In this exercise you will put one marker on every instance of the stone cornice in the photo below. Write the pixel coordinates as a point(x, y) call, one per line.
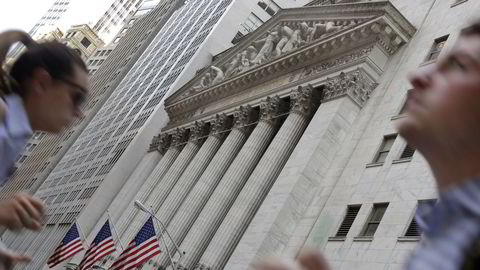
point(386, 27)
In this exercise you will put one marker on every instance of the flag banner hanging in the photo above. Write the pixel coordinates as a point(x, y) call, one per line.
point(142, 248)
point(101, 246)
point(70, 245)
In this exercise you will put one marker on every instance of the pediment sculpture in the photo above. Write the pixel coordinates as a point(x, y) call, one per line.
point(282, 39)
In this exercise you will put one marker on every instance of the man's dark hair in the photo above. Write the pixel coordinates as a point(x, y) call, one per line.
point(473, 29)
point(56, 58)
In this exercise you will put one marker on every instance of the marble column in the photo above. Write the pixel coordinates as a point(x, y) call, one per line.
point(166, 184)
point(196, 168)
point(231, 183)
point(261, 180)
point(175, 145)
point(198, 196)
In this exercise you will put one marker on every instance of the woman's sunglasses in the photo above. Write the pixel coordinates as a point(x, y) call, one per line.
point(80, 96)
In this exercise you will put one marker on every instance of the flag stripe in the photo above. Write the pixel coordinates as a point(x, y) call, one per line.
point(71, 244)
point(141, 258)
point(143, 247)
point(65, 257)
point(127, 258)
point(66, 251)
point(101, 246)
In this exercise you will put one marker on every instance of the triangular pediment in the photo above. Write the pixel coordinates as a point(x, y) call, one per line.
point(292, 36)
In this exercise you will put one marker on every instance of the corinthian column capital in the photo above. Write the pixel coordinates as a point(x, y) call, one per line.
point(220, 124)
point(179, 137)
point(271, 108)
point(198, 130)
point(304, 100)
point(242, 117)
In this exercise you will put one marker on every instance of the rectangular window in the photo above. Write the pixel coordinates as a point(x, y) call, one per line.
point(352, 211)
point(385, 148)
point(407, 152)
point(436, 49)
point(269, 6)
point(374, 219)
point(72, 195)
point(413, 229)
point(85, 42)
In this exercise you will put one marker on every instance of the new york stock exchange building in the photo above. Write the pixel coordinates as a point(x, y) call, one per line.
point(288, 141)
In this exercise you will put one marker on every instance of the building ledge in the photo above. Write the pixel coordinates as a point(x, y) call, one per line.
point(408, 239)
point(378, 164)
point(363, 239)
point(458, 3)
point(429, 62)
point(403, 160)
point(399, 116)
point(337, 239)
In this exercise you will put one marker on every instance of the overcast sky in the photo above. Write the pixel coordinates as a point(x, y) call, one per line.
point(23, 14)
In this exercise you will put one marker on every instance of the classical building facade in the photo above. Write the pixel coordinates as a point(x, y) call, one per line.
point(127, 95)
point(288, 141)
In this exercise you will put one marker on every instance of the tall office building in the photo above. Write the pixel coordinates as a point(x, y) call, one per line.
point(287, 141)
point(48, 23)
point(49, 149)
point(115, 18)
point(185, 44)
point(99, 57)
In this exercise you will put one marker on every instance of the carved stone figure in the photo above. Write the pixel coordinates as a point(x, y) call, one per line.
point(306, 33)
point(246, 60)
point(285, 33)
point(294, 41)
point(233, 66)
point(267, 48)
point(321, 29)
point(219, 75)
point(205, 82)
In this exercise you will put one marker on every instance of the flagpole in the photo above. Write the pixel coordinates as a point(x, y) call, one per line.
point(143, 208)
point(166, 247)
point(114, 230)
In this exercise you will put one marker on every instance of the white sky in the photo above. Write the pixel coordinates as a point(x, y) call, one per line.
point(23, 14)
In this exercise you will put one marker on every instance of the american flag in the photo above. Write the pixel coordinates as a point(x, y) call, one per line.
point(71, 245)
point(101, 246)
point(143, 247)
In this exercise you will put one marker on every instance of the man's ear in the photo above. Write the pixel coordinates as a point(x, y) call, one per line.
point(41, 80)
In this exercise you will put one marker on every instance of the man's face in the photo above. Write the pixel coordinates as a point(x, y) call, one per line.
point(61, 101)
point(444, 105)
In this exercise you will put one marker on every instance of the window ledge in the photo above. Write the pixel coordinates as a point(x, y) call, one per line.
point(337, 238)
point(403, 160)
point(428, 62)
point(378, 164)
point(363, 239)
point(408, 239)
point(458, 3)
point(399, 116)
